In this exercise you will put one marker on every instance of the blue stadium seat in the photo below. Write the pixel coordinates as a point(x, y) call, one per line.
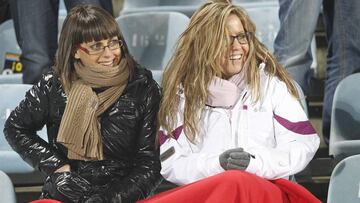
point(62, 9)
point(151, 36)
point(10, 50)
point(186, 7)
point(157, 75)
point(344, 181)
point(11, 79)
point(11, 95)
point(7, 192)
point(61, 20)
point(264, 13)
point(345, 119)
point(302, 97)
point(8, 43)
point(265, 17)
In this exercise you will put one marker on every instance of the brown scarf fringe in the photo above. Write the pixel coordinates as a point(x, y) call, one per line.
point(79, 128)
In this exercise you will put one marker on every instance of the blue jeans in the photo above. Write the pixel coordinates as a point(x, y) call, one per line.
point(298, 20)
point(36, 28)
point(342, 18)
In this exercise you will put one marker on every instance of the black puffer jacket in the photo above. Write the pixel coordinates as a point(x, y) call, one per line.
point(131, 169)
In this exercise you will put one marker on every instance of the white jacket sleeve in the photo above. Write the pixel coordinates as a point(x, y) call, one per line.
point(295, 139)
point(184, 162)
point(185, 167)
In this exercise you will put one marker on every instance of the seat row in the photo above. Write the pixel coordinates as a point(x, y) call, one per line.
point(344, 181)
point(151, 29)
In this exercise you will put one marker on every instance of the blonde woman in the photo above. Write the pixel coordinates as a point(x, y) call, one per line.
point(230, 116)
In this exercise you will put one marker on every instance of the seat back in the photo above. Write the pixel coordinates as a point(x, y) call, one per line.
point(264, 13)
point(157, 75)
point(186, 7)
point(7, 192)
point(11, 95)
point(302, 97)
point(151, 36)
point(11, 79)
point(135, 4)
point(62, 9)
point(344, 181)
point(8, 44)
point(345, 118)
point(265, 17)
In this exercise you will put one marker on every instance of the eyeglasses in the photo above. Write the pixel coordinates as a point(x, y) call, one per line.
point(242, 38)
point(99, 48)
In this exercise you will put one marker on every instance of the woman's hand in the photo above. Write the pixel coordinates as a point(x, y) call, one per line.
point(235, 158)
point(67, 187)
point(64, 168)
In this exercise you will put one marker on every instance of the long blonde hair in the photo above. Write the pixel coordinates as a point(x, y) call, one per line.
point(197, 59)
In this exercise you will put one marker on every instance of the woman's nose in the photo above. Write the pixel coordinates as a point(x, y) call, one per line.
point(107, 52)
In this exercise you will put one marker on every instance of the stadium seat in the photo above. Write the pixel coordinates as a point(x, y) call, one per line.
point(345, 119)
point(265, 16)
point(344, 181)
point(8, 43)
point(186, 7)
point(157, 75)
point(151, 36)
point(11, 79)
point(61, 20)
point(11, 95)
point(10, 50)
point(7, 192)
point(264, 13)
point(302, 97)
point(62, 9)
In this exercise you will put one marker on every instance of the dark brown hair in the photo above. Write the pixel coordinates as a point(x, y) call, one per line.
point(85, 23)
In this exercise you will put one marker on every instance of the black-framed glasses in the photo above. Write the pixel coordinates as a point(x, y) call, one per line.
point(99, 48)
point(242, 38)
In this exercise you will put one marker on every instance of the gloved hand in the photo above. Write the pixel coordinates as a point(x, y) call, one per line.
point(72, 185)
point(66, 187)
point(235, 158)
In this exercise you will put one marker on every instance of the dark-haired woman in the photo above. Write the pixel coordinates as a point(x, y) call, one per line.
point(100, 111)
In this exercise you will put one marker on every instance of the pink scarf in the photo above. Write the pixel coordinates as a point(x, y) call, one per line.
point(225, 93)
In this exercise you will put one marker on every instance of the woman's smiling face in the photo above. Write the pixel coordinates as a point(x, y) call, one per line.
point(104, 52)
point(239, 48)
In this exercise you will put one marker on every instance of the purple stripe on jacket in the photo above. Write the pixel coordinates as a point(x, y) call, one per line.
point(301, 127)
point(175, 133)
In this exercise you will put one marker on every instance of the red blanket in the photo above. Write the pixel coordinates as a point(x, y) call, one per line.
point(236, 186)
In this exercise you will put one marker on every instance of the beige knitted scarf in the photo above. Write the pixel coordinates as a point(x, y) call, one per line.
point(80, 128)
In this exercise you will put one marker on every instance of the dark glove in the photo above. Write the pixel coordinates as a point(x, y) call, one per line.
point(72, 186)
point(235, 158)
point(66, 186)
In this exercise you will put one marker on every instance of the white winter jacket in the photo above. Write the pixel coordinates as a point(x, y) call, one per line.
point(275, 131)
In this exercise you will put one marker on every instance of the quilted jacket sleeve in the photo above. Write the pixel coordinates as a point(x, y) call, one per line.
point(23, 123)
